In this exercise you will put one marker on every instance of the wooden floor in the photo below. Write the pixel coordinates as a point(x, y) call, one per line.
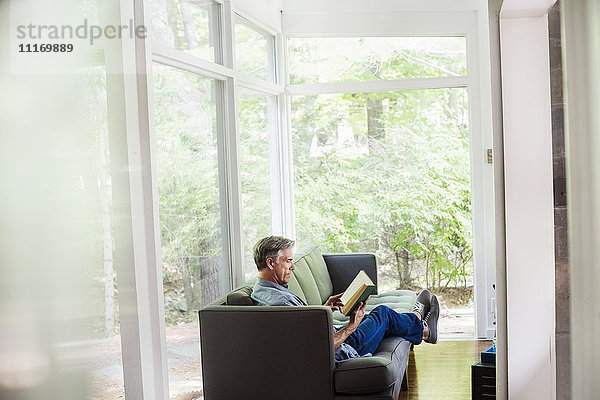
point(442, 371)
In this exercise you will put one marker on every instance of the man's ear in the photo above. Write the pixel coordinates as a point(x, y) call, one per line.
point(269, 262)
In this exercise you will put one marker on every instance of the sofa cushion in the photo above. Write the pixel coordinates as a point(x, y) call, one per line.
point(373, 374)
point(306, 279)
point(295, 287)
point(319, 270)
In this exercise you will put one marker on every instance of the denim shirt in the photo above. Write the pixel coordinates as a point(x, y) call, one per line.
point(267, 293)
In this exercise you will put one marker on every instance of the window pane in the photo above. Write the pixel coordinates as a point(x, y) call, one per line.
point(256, 124)
point(194, 272)
point(254, 50)
point(320, 60)
point(191, 26)
point(389, 173)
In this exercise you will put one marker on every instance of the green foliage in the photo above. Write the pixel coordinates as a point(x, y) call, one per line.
point(255, 167)
point(403, 193)
point(385, 172)
point(187, 165)
point(188, 185)
point(319, 60)
point(184, 25)
point(252, 49)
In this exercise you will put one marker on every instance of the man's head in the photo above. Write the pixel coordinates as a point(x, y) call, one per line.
point(274, 259)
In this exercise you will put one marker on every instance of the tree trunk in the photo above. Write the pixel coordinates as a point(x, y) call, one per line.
point(188, 25)
point(163, 21)
point(398, 269)
point(375, 127)
point(406, 278)
point(186, 279)
point(427, 271)
point(192, 270)
point(172, 12)
point(209, 277)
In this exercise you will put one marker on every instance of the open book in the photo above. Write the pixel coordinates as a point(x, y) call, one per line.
point(358, 291)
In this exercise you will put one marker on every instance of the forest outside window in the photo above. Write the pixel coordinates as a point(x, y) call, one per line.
point(387, 172)
point(256, 128)
point(326, 60)
point(191, 26)
point(192, 240)
point(254, 50)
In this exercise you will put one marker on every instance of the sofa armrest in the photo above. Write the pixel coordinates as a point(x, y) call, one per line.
point(344, 267)
point(252, 352)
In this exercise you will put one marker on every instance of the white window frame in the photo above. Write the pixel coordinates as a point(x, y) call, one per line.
point(270, 88)
point(137, 253)
point(133, 162)
point(354, 18)
point(231, 79)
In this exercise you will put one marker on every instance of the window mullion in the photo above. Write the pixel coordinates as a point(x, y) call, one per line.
point(178, 59)
point(135, 207)
point(378, 86)
point(228, 38)
point(284, 167)
point(230, 152)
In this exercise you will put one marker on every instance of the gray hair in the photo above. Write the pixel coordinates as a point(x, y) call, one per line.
point(269, 247)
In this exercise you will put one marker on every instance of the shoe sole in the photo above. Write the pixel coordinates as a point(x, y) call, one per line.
point(434, 304)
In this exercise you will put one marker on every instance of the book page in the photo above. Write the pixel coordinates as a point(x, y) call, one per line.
point(361, 279)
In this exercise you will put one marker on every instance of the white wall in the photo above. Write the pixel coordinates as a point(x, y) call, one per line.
point(529, 206)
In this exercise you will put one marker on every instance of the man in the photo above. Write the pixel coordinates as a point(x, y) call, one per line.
point(361, 336)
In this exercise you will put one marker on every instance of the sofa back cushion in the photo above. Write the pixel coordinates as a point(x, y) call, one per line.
point(310, 281)
point(241, 295)
point(312, 275)
point(295, 287)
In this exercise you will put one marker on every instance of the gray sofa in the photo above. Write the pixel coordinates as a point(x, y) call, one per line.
point(252, 352)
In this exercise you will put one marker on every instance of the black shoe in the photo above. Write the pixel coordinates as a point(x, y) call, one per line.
point(423, 303)
point(432, 319)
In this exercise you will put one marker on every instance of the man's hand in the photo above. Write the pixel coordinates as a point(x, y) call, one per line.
point(355, 319)
point(334, 302)
point(358, 314)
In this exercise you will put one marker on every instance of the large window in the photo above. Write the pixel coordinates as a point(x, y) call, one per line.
point(387, 172)
point(205, 251)
point(190, 212)
point(258, 138)
point(257, 151)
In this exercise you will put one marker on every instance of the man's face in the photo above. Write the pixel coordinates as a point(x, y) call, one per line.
point(283, 266)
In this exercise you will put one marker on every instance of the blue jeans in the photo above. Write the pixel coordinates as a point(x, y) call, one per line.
point(381, 323)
